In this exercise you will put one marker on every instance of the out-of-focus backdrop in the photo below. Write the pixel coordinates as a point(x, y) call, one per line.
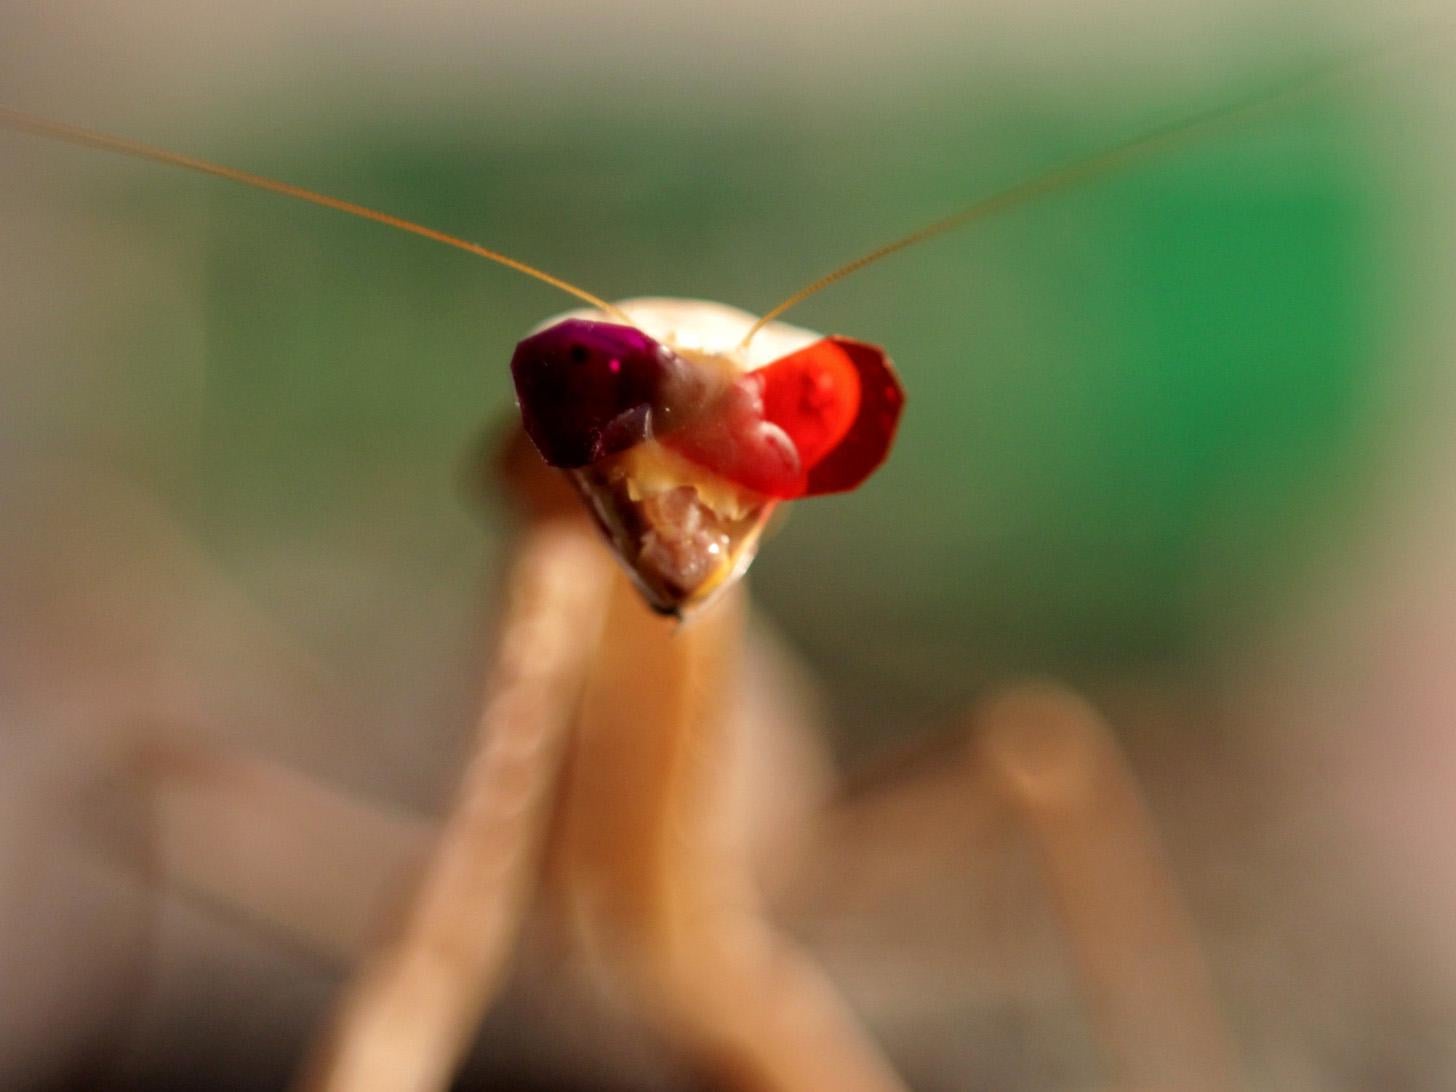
point(1181, 437)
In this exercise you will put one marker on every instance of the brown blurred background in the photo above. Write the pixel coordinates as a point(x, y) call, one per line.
point(1180, 438)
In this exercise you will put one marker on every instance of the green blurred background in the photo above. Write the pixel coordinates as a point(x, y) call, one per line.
point(1130, 405)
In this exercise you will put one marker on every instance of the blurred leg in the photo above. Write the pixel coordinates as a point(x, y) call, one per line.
point(1134, 948)
point(285, 853)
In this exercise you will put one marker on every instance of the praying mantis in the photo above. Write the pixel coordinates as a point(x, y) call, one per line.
point(571, 731)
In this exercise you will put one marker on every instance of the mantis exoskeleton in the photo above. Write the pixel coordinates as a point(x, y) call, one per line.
point(699, 999)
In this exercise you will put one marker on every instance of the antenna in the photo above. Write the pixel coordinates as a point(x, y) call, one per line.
point(70, 134)
point(1078, 171)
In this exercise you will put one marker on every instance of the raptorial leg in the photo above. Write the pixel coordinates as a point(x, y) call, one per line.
point(413, 1008)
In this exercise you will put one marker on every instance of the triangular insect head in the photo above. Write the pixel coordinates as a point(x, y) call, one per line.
point(683, 430)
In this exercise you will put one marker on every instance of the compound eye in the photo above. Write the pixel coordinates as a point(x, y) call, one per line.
point(589, 389)
point(839, 401)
